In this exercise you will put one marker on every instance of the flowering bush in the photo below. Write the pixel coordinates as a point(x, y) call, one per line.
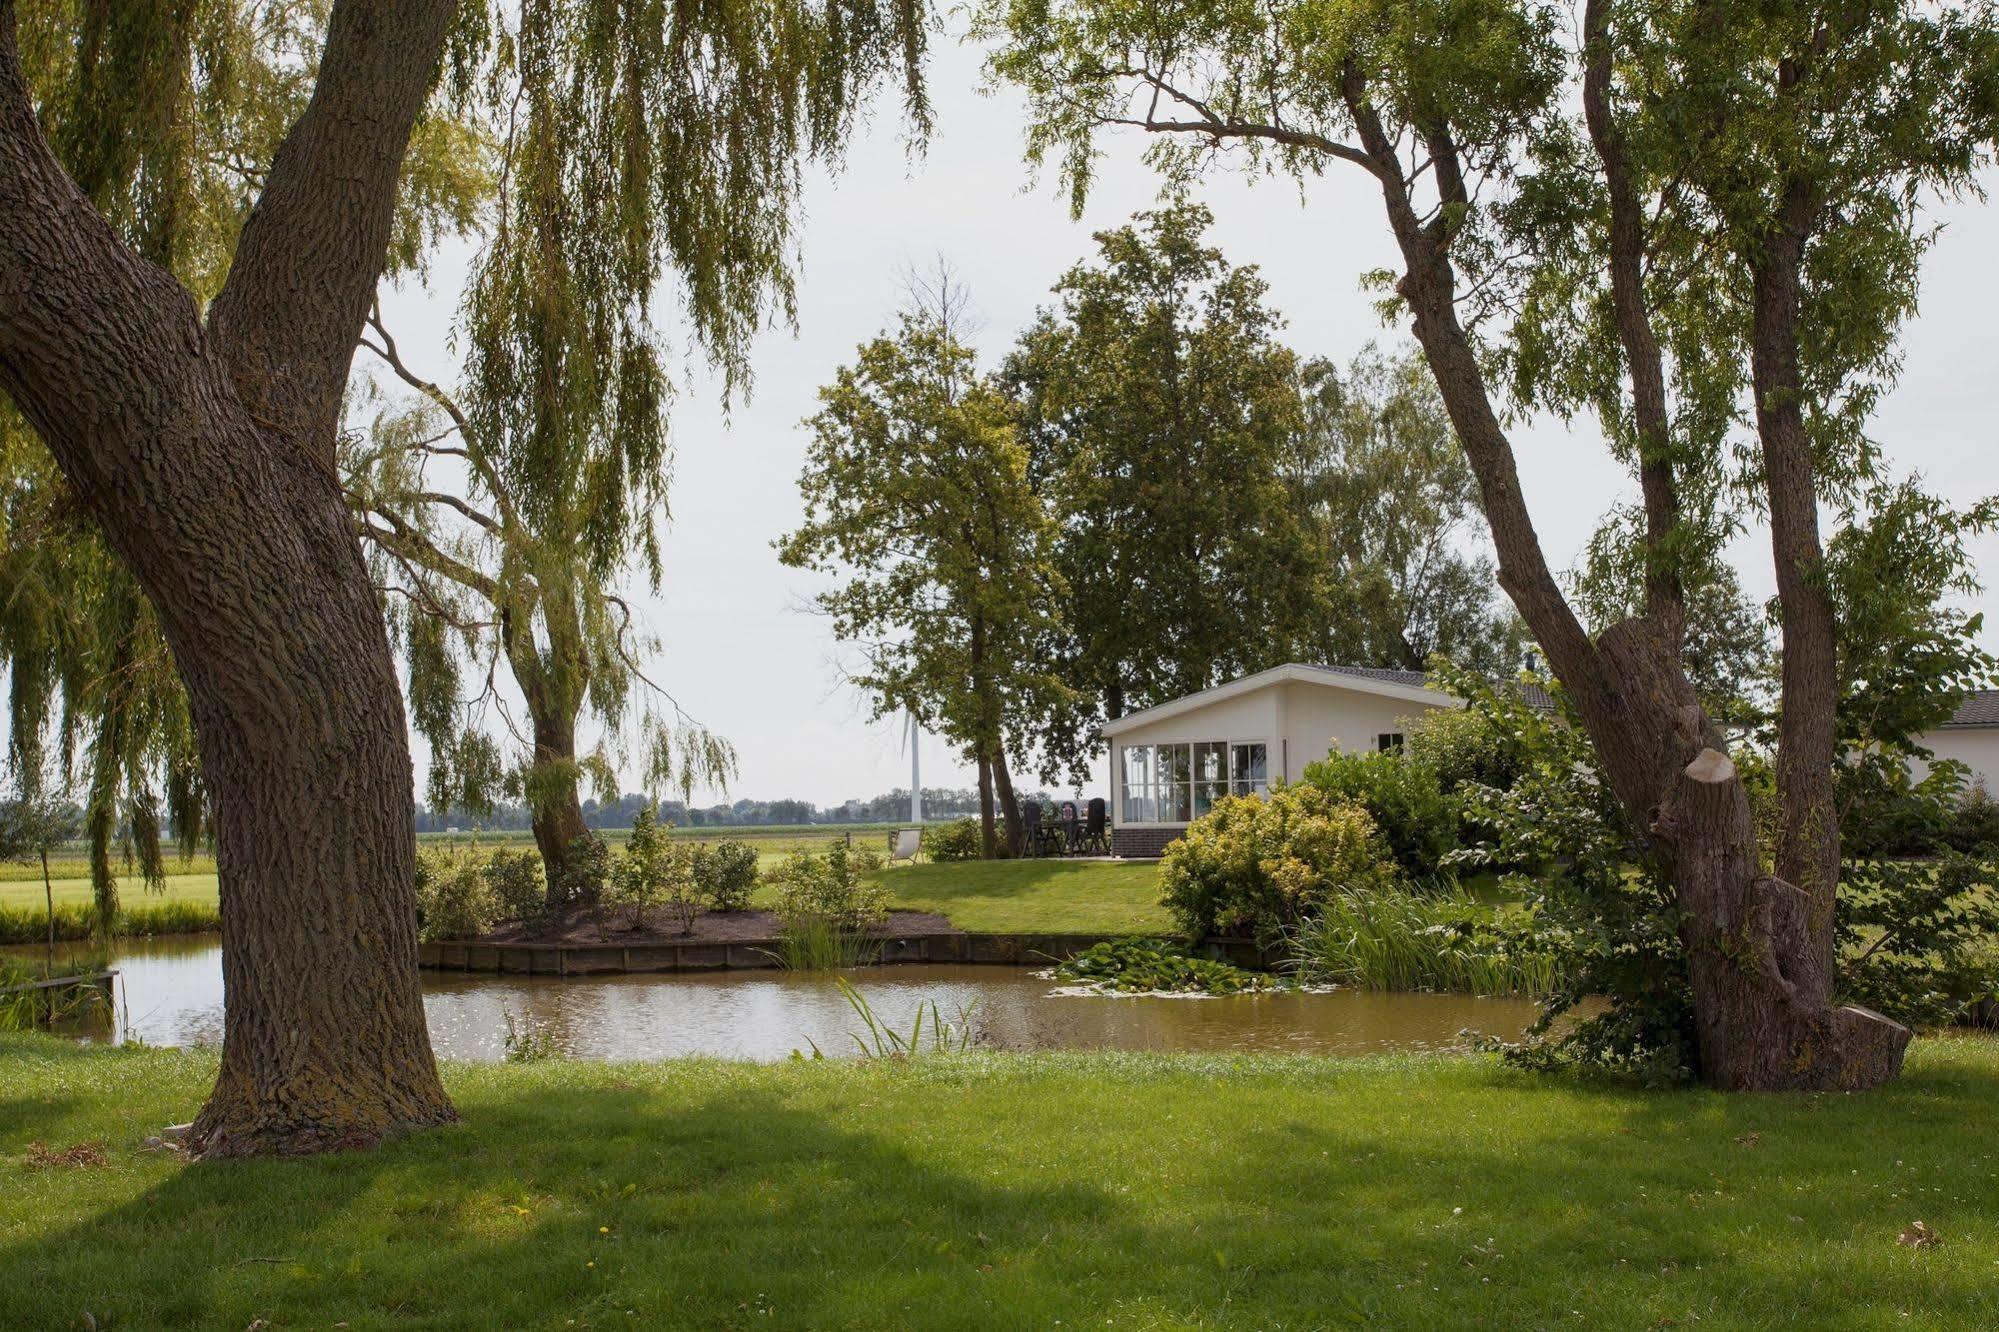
point(1259, 865)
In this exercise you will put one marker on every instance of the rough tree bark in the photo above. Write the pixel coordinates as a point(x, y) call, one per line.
point(1009, 805)
point(1808, 833)
point(206, 453)
point(1761, 996)
point(988, 842)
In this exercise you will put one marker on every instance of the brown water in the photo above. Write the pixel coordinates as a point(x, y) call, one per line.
point(170, 993)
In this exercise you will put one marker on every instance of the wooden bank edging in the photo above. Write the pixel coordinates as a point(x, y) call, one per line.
point(1013, 950)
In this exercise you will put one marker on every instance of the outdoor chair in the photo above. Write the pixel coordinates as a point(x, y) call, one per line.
point(1096, 829)
point(1030, 831)
point(904, 843)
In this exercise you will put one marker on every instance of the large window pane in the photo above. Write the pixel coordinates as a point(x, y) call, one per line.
point(1249, 770)
point(1175, 803)
point(1211, 759)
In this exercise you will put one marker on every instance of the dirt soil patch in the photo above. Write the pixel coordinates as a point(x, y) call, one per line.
point(613, 925)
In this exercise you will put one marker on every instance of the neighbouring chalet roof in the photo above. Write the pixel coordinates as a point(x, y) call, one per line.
point(1980, 708)
point(1407, 686)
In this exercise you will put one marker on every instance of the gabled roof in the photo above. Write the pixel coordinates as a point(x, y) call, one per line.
point(1980, 708)
point(1407, 686)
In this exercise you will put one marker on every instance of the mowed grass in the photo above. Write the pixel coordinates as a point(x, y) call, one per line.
point(1009, 1191)
point(1035, 896)
point(132, 889)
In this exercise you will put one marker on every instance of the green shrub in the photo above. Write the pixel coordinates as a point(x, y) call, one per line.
point(1433, 941)
point(1417, 820)
point(956, 840)
point(1156, 966)
point(1885, 812)
point(520, 892)
point(836, 885)
point(1916, 939)
point(454, 898)
point(1464, 746)
point(587, 872)
point(653, 872)
point(1974, 825)
point(1258, 865)
point(726, 874)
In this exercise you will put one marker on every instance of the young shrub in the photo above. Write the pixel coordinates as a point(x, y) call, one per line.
point(454, 899)
point(726, 875)
point(1974, 826)
point(652, 872)
point(588, 872)
point(519, 891)
point(836, 886)
point(1257, 866)
point(956, 840)
point(1417, 820)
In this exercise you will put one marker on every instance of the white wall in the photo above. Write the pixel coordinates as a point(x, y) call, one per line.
point(1299, 722)
point(1977, 747)
point(1321, 718)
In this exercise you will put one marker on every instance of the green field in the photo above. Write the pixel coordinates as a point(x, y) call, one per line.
point(1007, 896)
point(1007, 1191)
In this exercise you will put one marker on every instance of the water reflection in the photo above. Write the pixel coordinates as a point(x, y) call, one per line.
point(170, 993)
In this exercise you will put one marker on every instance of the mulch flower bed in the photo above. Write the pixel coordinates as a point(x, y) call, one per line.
point(613, 925)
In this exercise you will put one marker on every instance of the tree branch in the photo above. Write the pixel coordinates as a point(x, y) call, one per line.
point(313, 248)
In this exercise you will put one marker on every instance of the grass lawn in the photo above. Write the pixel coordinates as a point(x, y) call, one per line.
point(1019, 1191)
point(1035, 896)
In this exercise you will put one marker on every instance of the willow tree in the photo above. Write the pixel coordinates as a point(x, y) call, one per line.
point(167, 116)
point(1710, 214)
point(477, 568)
point(201, 438)
point(917, 496)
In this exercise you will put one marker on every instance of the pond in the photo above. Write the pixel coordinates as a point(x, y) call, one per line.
point(170, 993)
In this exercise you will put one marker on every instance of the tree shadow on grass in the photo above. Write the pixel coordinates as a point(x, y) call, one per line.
point(1004, 1192)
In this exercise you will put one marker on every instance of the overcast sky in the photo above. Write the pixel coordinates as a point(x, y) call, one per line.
point(744, 655)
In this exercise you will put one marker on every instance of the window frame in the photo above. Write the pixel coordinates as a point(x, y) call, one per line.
point(1175, 790)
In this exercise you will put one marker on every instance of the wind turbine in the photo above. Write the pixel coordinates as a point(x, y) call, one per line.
point(911, 733)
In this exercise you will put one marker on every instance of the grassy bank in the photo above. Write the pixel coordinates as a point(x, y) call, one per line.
point(1013, 1191)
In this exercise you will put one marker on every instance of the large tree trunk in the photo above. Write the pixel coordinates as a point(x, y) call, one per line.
point(1808, 835)
point(1009, 806)
point(557, 816)
point(206, 455)
point(1761, 997)
point(988, 842)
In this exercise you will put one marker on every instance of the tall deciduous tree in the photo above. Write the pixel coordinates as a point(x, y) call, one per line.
point(1773, 149)
point(1158, 406)
point(1394, 510)
point(203, 443)
point(916, 491)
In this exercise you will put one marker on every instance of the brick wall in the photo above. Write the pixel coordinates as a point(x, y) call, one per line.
point(1145, 842)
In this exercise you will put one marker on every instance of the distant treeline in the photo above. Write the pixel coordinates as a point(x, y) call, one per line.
point(891, 807)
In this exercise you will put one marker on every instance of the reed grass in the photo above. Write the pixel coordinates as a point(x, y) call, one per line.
point(817, 943)
point(1445, 940)
point(78, 920)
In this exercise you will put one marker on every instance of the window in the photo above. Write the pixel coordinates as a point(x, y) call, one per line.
point(1211, 774)
point(1389, 742)
point(1179, 783)
point(1249, 770)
